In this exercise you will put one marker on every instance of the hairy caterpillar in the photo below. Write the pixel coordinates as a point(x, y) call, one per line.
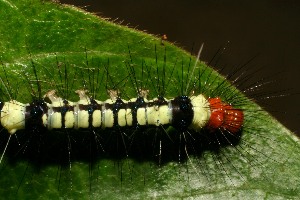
point(181, 112)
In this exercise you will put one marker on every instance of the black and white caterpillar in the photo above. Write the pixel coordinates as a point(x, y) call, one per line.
point(181, 112)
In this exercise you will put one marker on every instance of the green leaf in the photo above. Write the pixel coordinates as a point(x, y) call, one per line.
point(52, 38)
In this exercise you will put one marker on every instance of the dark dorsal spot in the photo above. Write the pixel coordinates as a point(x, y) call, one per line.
point(34, 113)
point(160, 101)
point(92, 106)
point(139, 103)
point(119, 104)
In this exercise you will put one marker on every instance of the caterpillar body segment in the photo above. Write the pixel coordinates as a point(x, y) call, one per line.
point(182, 112)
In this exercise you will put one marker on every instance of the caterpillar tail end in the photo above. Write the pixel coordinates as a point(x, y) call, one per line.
point(12, 116)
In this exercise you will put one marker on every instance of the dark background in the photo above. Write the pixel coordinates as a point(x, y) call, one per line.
point(269, 30)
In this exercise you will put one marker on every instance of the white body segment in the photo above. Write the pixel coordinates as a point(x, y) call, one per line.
point(142, 119)
point(107, 118)
point(13, 113)
point(96, 122)
point(157, 115)
point(201, 112)
point(54, 119)
point(13, 116)
point(128, 116)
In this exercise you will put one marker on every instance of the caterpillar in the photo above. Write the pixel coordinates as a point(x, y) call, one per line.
point(181, 112)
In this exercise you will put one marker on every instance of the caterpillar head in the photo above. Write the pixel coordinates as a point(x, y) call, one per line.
point(224, 116)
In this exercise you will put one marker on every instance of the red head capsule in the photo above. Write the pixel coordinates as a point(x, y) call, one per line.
point(224, 116)
point(217, 114)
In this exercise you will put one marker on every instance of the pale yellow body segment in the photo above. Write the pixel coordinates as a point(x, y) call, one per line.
point(13, 116)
